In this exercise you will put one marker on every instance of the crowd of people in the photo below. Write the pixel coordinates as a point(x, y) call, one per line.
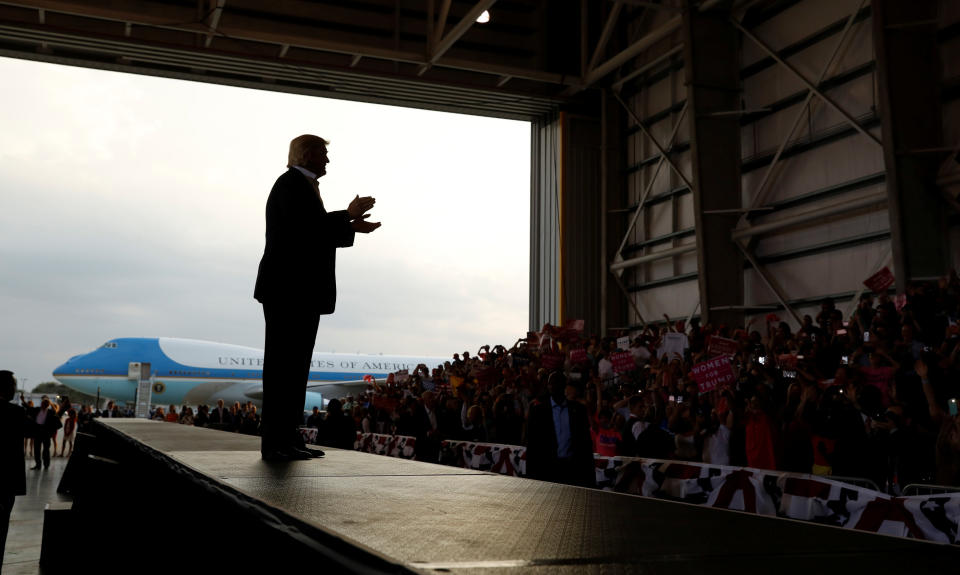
point(871, 396)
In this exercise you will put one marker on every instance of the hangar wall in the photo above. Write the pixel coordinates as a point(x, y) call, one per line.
point(813, 173)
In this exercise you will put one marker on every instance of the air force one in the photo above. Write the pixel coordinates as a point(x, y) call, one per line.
point(193, 372)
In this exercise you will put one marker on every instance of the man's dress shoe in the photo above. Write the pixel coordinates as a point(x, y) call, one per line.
point(285, 454)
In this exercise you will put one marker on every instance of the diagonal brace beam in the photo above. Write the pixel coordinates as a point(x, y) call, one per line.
point(826, 99)
point(663, 153)
point(649, 186)
point(770, 281)
point(763, 190)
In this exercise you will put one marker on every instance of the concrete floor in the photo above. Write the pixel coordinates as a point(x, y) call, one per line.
point(22, 553)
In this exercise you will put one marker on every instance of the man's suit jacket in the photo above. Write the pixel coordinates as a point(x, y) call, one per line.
point(302, 238)
point(13, 420)
point(542, 441)
point(218, 415)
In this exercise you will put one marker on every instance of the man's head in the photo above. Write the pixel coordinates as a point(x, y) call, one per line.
point(220, 403)
point(557, 384)
point(310, 152)
point(8, 385)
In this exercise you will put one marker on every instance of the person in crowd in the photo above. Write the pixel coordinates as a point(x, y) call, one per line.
point(220, 415)
point(158, 415)
point(202, 418)
point(13, 428)
point(315, 418)
point(186, 415)
point(559, 447)
point(172, 416)
point(45, 425)
point(69, 432)
point(338, 428)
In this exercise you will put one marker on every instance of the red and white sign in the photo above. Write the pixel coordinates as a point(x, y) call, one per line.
point(622, 361)
point(578, 356)
point(880, 281)
point(722, 346)
point(713, 373)
point(551, 360)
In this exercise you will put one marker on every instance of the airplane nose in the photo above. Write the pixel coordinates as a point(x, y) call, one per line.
point(61, 369)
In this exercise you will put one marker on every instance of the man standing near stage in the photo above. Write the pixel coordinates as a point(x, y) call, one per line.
point(12, 429)
point(296, 284)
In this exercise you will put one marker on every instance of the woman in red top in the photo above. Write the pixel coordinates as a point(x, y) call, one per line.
point(606, 438)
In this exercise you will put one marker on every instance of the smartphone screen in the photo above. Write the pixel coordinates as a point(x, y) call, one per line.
point(952, 405)
point(866, 336)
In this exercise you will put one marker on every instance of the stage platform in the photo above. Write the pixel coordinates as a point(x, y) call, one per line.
point(156, 491)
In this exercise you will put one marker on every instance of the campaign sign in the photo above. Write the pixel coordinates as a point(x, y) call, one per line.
point(722, 346)
point(551, 360)
point(623, 342)
point(578, 356)
point(880, 281)
point(622, 361)
point(713, 373)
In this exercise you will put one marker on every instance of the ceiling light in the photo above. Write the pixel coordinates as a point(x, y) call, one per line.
point(483, 18)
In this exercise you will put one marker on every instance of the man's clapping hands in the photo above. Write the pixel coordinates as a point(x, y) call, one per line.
point(357, 210)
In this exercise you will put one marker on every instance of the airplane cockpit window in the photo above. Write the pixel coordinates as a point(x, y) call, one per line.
point(110, 345)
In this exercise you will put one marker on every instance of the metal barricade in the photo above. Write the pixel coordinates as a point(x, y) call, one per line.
point(858, 481)
point(926, 489)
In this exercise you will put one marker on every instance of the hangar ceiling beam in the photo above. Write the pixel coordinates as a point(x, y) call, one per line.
point(443, 45)
point(712, 67)
point(908, 66)
point(213, 20)
point(602, 70)
point(242, 27)
point(608, 29)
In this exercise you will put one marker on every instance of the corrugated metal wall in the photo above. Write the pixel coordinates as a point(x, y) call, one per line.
point(825, 162)
point(545, 222)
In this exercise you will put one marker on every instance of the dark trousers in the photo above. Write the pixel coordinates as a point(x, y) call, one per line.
point(6, 506)
point(41, 443)
point(291, 331)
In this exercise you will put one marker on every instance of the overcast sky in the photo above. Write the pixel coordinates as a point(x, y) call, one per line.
point(133, 206)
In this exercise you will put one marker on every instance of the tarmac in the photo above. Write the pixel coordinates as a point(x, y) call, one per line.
point(22, 553)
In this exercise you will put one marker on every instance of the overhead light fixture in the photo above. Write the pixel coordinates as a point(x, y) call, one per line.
point(483, 18)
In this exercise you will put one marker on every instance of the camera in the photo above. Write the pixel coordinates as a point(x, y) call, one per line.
point(952, 405)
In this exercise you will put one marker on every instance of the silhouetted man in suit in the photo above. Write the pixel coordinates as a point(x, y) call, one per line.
point(559, 446)
point(13, 479)
point(296, 284)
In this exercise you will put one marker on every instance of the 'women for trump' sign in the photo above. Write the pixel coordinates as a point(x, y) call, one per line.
point(713, 373)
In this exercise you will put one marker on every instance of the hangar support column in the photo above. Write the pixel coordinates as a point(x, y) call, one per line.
point(711, 55)
point(908, 65)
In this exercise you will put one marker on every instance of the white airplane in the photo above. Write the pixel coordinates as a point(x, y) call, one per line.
point(191, 372)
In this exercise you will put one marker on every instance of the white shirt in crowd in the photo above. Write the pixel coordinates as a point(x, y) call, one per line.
point(716, 447)
point(673, 342)
point(605, 368)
